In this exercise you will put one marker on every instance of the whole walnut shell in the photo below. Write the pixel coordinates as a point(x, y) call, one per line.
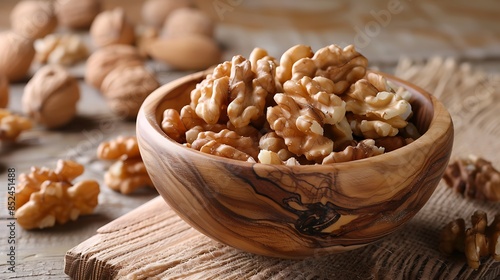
point(126, 87)
point(154, 12)
point(50, 97)
point(16, 55)
point(33, 19)
point(104, 60)
point(4, 91)
point(112, 27)
point(190, 52)
point(186, 21)
point(77, 14)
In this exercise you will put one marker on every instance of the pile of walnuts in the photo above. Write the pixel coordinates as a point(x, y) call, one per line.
point(309, 108)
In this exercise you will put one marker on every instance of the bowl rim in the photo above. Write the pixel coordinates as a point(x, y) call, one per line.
point(440, 119)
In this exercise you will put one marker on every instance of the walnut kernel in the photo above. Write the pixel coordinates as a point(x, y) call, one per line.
point(11, 126)
point(65, 49)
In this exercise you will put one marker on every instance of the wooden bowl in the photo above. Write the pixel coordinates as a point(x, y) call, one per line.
point(295, 211)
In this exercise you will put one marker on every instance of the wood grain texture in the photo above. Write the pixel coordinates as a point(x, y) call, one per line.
point(299, 211)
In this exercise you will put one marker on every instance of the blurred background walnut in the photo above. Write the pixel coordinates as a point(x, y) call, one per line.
point(33, 19)
point(16, 55)
point(155, 12)
point(11, 126)
point(479, 241)
point(105, 59)
point(128, 173)
point(186, 21)
point(126, 87)
point(45, 197)
point(77, 14)
point(112, 27)
point(50, 97)
point(4, 91)
point(65, 49)
point(474, 177)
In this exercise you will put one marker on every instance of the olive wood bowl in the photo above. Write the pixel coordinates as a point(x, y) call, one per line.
point(295, 211)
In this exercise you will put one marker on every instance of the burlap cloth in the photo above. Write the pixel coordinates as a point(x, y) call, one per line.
point(472, 98)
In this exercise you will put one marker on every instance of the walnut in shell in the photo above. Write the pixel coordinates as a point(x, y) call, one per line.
point(33, 19)
point(112, 27)
point(16, 55)
point(125, 88)
point(155, 12)
point(186, 21)
point(104, 60)
point(4, 91)
point(50, 97)
point(77, 14)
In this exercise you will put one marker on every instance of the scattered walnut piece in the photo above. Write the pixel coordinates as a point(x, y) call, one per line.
point(11, 126)
point(474, 177)
point(112, 27)
point(478, 241)
point(4, 91)
point(51, 96)
point(33, 19)
point(128, 173)
point(45, 197)
point(65, 49)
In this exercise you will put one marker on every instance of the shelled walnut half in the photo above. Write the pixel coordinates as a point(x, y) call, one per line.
point(128, 173)
point(474, 177)
point(477, 242)
point(45, 197)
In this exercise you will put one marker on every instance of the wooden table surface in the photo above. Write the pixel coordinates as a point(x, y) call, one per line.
point(40, 253)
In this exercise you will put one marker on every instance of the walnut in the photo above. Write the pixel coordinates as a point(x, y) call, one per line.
point(317, 92)
point(155, 12)
point(270, 157)
point(112, 27)
point(45, 197)
point(65, 49)
point(273, 143)
point(209, 99)
point(301, 128)
point(223, 150)
point(226, 138)
point(186, 20)
point(50, 97)
point(248, 90)
point(341, 132)
point(476, 242)
point(119, 147)
point(128, 173)
point(77, 14)
point(474, 177)
point(33, 19)
point(172, 125)
point(289, 58)
point(105, 59)
point(364, 149)
point(126, 87)
point(11, 126)
point(16, 55)
point(4, 91)
point(145, 36)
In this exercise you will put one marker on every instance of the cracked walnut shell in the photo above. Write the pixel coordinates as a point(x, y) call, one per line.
point(33, 19)
point(51, 96)
point(112, 27)
point(46, 197)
